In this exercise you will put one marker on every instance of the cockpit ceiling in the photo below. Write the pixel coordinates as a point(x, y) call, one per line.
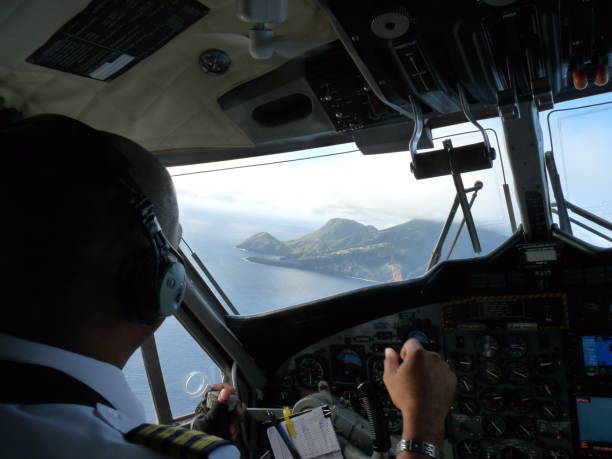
point(166, 101)
point(332, 86)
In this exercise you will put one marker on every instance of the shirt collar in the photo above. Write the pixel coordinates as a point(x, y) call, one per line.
point(106, 379)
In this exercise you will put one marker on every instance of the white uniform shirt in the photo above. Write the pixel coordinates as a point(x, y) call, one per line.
point(74, 431)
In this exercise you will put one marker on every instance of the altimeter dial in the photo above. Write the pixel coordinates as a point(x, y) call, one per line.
point(309, 372)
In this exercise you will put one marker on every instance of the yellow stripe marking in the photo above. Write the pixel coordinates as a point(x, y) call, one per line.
point(200, 445)
point(148, 429)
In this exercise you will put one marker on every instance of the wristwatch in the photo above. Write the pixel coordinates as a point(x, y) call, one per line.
point(419, 447)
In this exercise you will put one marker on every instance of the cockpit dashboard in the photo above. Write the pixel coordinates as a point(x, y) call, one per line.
point(530, 345)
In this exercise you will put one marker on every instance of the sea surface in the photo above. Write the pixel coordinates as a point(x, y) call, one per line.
point(253, 288)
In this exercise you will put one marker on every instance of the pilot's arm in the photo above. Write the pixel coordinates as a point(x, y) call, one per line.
point(421, 386)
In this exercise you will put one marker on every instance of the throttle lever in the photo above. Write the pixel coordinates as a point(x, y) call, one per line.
point(372, 405)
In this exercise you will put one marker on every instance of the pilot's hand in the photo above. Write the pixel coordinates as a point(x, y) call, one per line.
point(422, 388)
point(218, 420)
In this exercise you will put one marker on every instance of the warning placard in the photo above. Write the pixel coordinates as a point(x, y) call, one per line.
point(110, 36)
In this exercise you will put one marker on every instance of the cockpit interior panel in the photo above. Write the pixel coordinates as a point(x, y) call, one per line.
point(529, 341)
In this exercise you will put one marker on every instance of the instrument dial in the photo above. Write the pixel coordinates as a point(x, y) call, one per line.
point(548, 388)
point(469, 449)
point(463, 363)
point(522, 403)
point(550, 411)
point(555, 453)
point(492, 400)
point(525, 429)
point(494, 425)
point(466, 385)
point(516, 346)
point(517, 372)
point(309, 372)
point(491, 373)
point(488, 347)
point(546, 364)
point(468, 406)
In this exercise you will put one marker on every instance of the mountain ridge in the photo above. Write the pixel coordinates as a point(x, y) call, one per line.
point(348, 248)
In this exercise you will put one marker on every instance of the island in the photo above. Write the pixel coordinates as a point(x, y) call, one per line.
point(348, 248)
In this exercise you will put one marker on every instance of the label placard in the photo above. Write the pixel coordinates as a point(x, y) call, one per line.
point(110, 36)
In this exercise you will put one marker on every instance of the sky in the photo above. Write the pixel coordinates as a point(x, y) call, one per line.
point(380, 189)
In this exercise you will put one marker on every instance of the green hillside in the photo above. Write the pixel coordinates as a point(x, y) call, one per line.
point(349, 248)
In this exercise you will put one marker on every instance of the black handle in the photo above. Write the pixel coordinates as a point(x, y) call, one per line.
point(381, 443)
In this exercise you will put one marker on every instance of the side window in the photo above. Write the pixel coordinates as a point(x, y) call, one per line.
point(186, 368)
point(137, 379)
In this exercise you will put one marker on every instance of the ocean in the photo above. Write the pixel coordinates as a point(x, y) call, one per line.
point(252, 288)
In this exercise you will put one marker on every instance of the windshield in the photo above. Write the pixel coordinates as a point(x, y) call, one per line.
point(581, 139)
point(286, 229)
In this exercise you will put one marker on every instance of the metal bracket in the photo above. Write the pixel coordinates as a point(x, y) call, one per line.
point(437, 252)
point(507, 104)
point(465, 207)
point(555, 181)
point(417, 129)
point(465, 108)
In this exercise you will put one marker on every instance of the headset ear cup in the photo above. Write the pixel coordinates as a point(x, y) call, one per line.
point(138, 288)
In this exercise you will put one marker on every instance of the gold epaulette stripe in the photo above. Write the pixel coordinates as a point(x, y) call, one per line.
point(176, 441)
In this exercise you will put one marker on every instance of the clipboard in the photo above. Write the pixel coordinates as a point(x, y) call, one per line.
point(314, 435)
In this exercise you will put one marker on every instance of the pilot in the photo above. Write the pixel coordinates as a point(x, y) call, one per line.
point(82, 261)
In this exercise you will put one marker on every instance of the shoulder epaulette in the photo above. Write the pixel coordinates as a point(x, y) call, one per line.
point(175, 441)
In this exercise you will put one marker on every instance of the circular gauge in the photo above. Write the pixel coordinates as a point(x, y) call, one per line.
point(492, 400)
point(546, 364)
point(491, 373)
point(522, 403)
point(525, 429)
point(517, 372)
point(463, 363)
point(351, 365)
point(215, 61)
point(555, 453)
point(516, 346)
point(469, 449)
point(511, 452)
point(548, 388)
point(309, 372)
point(468, 406)
point(494, 425)
point(377, 370)
point(466, 385)
point(488, 347)
point(393, 417)
point(550, 411)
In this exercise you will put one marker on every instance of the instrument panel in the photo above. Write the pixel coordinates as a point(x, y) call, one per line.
point(529, 385)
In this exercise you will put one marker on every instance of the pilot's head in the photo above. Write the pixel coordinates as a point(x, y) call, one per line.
point(76, 253)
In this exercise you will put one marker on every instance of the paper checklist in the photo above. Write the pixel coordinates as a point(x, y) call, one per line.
point(314, 437)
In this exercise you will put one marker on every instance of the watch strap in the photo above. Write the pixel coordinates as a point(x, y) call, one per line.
point(419, 447)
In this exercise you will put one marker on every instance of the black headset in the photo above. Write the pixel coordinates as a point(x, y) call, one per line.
point(151, 283)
